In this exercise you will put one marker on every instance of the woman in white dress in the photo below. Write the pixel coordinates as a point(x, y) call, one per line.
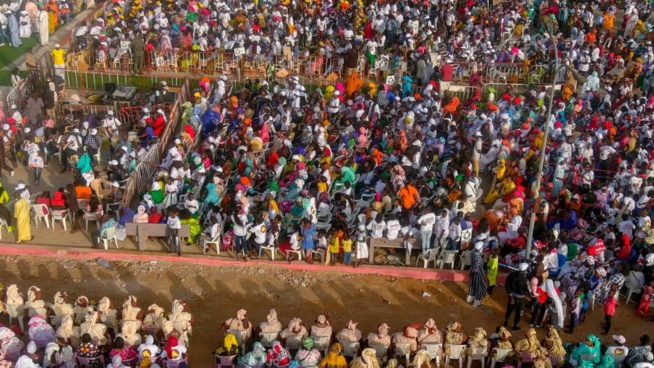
point(25, 25)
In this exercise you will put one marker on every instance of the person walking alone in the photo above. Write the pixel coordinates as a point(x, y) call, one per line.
point(478, 286)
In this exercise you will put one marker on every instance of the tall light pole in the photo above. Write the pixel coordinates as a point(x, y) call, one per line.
point(541, 161)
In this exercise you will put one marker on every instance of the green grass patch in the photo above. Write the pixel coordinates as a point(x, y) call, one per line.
point(8, 54)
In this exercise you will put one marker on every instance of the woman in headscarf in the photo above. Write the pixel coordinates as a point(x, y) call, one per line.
point(68, 331)
point(556, 319)
point(590, 347)
point(15, 304)
point(182, 320)
point(381, 338)
point(478, 287)
point(239, 323)
point(307, 356)
point(321, 327)
point(154, 320)
point(141, 216)
point(429, 333)
point(256, 357)
point(408, 336)
point(35, 305)
point(368, 359)
point(107, 314)
point(61, 308)
point(97, 331)
point(529, 344)
point(10, 345)
point(22, 216)
point(277, 355)
point(124, 351)
point(454, 334)
point(334, 358)
point(350, 333)
point(295, 329)
point(554, 346)
point(148, 352)
point(230, 346)
point(504, 340)
point(130, 311)
point(40, 332)
point(87, 349)
point(271, 325)
point(30, 358)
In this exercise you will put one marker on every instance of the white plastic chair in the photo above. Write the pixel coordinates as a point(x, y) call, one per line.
point(498, 356)
point(321, 343)
point(240, 338)
point(429, 256)
point(59, 215)
point(465, 259)
point(350, 349)
point(448, 256)
point(381, 351)
point(41, 213)
point(619, 355)
point(90, 216)
point(403, 349)
point(216, 241)
point(631, 292)
point(434, 351)
point(4, 224)
point(272, 248)
point(298, 252)
point(109, 236)
point(456, 352)
point(267, 339)
point(478, 354)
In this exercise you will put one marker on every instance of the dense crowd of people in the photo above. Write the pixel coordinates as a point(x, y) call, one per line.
point(89, 334)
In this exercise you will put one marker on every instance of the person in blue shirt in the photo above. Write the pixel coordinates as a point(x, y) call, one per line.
point(308, 229)
point(107, 223)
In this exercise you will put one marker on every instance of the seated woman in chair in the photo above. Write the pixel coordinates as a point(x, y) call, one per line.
point(271, 325)
point(429, 333)
point(322, 327)
point(408, 336)
point(308, 356)
point(87, 349)
point(381, 338)
point(239, 323)
point(294, 331)
point(95, 329)
point(278, 356)
point(349, 334)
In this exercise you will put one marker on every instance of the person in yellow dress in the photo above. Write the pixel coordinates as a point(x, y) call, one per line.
point(22, 216)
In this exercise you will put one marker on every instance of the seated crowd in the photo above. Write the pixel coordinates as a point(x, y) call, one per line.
point(91, 335)
point(321, 345)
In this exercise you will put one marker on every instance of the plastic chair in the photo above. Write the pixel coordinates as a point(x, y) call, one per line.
point(4, 224)
point(350, 349)
point(525, 358)
point(433, 350)
point(90, 216)
point(403, 349)
point(215, 241)
point(86, 362)
point(499, 355)
point(448, 256)
point(240, 338)
point(60, 215)
point(108, 236)
point(619, 355)
point(465, 259)
point(225, 361)
point(381, 351)
point(456, 352)
point(268, 338)
point(632, 292)
point(429, 256)
point(41, 213)
point(478, 354)
point(298, 252)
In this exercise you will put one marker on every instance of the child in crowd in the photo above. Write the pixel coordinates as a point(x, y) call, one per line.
point(347, 249)
point(173, 224)
point(361, 249)
point(609, 308)
point(334, 248)
point(574, 308)
point(645, 300)
point(492, 268)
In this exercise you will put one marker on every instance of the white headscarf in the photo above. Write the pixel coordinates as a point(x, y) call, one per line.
point(551, 292)
point(25, 195)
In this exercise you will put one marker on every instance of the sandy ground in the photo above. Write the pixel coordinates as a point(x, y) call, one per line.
point(215, 293)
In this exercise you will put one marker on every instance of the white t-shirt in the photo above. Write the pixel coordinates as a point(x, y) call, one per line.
point(295, 240)
point(427, 221)
point(259, 232)
point(393, 227)
point(376, 229)
point(238, 229)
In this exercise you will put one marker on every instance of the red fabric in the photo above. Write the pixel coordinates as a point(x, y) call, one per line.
point(170, 344)
point(58, 199)
point(611, 304)
point(158, 126)
point(625, 250)
point(542, 295)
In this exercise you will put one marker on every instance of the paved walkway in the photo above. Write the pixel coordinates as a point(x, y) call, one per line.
point(63, 252)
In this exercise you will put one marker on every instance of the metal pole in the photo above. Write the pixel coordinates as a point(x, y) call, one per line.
point(541, 161)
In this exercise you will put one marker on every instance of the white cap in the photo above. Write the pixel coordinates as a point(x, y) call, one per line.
point(146, 110)
point(479, 246)
point(113, 162)
point(94, 131)
point(115, 184)
point(13, 106)
point(56, 45)
point(523, 266)
point(160, 111)
point(124, 148)
point(223, 77)
point(164, 84)
point(20, 186)
point(110, 112)
point(178, 141)
point(5, 127)
point(76, 130)
point(27, 130)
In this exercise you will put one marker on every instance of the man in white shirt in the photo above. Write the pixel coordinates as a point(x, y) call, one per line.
point(442, 229)
point(454, 242)
point(426, 222)
point(393, 228)
point(377, 227)
point(259, 232)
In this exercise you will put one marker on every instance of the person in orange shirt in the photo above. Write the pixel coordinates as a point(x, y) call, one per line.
point(83, 192)
point(408, 196)
point(353, 84)
point(591, 37)
point(609, 21)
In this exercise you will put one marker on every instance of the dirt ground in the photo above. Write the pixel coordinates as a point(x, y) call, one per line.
point(215, 293)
